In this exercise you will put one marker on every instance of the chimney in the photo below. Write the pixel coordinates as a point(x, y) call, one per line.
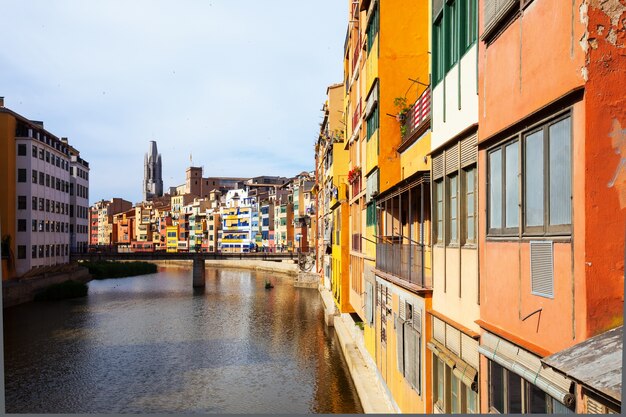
point(64, 140)
point(1, 101)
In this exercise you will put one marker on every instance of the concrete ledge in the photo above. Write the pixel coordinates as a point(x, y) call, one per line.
point(373, 397)
point(24, 290)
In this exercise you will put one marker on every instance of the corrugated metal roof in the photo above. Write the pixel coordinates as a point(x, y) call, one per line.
point(595, 363)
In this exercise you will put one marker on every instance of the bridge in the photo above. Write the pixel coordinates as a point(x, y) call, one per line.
point(304, 260)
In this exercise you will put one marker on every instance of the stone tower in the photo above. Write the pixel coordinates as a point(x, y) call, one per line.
point(152, 174)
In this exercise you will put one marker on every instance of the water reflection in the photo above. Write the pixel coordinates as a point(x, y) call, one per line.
point(150, 344)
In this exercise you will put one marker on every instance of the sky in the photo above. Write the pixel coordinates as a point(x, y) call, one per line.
point(234, 86)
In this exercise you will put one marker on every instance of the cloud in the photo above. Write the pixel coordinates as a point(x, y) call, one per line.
point(239, 85)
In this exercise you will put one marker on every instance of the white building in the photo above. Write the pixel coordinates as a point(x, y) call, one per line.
point(79, 201)
point(43, 197)
point(239, 222)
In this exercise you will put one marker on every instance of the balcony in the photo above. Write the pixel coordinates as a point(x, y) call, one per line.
point(404, 261)
point(417, 116)
point(356, 116)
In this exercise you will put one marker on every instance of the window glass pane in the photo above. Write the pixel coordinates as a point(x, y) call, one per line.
point(560, 173)
point(439, 197)
point(558, 408)
point(533, 179)
point(452, 209)
point(470, 206)
point(496, 387)
point(454, 395)
point(511, 184)
point(439, 375)
point(514, 389)
point(471, 400)
point(536, 399)
point(495, 189)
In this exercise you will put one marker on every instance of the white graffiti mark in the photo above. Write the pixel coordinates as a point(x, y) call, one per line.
point(618, 140)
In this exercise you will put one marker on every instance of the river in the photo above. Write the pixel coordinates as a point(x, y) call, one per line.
point(152, 344)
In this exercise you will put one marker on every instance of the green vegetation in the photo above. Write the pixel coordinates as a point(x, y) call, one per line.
point(110, 269)
point(67, 289)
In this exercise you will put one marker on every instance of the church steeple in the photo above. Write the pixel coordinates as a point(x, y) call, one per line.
point(152, 174)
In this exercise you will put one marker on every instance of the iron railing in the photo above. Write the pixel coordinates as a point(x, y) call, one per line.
point(403, 261)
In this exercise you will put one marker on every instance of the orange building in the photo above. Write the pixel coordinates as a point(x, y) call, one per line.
point(552, 193)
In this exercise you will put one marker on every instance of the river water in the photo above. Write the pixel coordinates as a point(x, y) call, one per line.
point(151, 344)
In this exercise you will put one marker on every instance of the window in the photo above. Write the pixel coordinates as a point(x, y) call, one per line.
point(372, 123)
point(21, 225)
point(453, 217)
point(21, 202)
point(47, 156)
point(439, 211)
point(34, 203)
point(372, 30)
point(41, 178)
point(408, 343)
point(509, 393)
point(21, 175)
point(455, 30)
point(41, 206)
point(21, 149)
point(41, 153)
point(470, 204)
point(33, 252)
point(497, 13)
point(34, 151)
point(47, 180)
point(450, 394)
point(503, 189)
point(21, 252)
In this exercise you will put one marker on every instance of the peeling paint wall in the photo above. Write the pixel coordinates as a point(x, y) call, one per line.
point(605, 153)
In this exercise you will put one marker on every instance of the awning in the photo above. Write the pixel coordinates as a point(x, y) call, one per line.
point(528, 366)
point(461, 369)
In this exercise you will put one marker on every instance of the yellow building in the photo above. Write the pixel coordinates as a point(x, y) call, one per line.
point(385, 76)
point(172, 238)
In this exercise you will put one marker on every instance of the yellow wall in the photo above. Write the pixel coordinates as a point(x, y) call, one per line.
point(172, 242)
point(8, 174)
point(412, 159)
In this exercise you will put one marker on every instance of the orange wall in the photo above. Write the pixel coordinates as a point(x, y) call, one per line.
point(605, 187)
point(403, 55)
point(8, 173)
point(537, 59)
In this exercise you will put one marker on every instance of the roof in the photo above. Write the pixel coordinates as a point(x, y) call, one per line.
point(595, 363)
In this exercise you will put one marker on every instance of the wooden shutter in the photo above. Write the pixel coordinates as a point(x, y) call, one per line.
point(400, 345)
point(402, 311)
point(438, 166)
point(439, 331)
point(452, 159)
point(417, 320)
point(469, 350)
point(594, 407)
point(453, 340)
point(495, 10)
point(541, 269)
point(410, 354)
point(469, 151)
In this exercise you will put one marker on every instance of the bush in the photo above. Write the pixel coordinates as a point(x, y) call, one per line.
point(109, 269)
point(67, 289)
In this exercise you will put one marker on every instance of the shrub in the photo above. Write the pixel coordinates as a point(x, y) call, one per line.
point(63, 290)
point(109, 269)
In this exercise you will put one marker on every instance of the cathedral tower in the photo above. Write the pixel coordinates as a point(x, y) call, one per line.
point(152, 174)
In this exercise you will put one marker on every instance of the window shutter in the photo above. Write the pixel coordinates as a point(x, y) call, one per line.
point(402, 309)
point(495, 10)
point(439, 331)
point(452, 159)
point(453, 340)
point(438, 167)
point(594, 407)
point(541, 269)
point(400, 344)
point(368, 303)
point(469, 350)
point(469, 151)
point(410, 354)
point(417, 320)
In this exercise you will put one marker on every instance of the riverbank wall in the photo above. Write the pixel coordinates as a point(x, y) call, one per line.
point(23, 290)
point(371, 388)
point(285, 267)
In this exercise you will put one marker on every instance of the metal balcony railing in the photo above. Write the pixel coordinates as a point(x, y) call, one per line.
point(417, 115)
point(403, 261)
